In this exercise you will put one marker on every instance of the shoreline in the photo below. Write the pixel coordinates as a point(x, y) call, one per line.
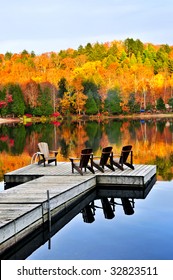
point(9, 120)
point(134, 116)
point(144, 116)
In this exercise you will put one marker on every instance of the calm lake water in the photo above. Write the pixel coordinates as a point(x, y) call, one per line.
point(145, 234)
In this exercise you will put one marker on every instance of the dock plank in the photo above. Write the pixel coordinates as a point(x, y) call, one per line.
point(36, 190)
point(26, 204)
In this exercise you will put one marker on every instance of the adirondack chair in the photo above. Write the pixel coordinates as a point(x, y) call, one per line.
point(125, 158)
point(106, 159)
point(45, 155)
point(83, 162)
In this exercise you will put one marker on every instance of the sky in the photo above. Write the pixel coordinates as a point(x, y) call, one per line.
point(53, 25)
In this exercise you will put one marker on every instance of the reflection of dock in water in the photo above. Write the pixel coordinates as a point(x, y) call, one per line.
point(49, 197)
point(108, 197)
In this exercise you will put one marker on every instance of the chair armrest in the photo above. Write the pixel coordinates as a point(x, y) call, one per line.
point(116, 155)
point(41, 158)
point(72, 159)
point(40, 154)
point(54, 152)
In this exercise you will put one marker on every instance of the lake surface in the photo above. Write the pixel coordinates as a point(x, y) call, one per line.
point(152, 141)
point(145, 234)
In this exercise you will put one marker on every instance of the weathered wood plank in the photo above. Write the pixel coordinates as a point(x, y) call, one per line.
point(36, 191)
point(26, 204)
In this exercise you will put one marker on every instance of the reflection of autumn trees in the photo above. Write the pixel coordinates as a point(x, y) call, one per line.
point(104, 141)
point(151, 140)
point(151, 146)
point(164, 166)
point(72, 139)
point(10, 162)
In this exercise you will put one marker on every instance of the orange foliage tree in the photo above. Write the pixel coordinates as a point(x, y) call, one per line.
point(130, 66)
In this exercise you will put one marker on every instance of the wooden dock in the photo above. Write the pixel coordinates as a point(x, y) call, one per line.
point(41, 192)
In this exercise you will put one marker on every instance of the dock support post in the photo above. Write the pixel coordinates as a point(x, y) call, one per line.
point(49, 218)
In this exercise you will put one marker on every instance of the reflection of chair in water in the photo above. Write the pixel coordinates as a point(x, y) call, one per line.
point(45, 154)
point(125, 158)
point(107, 209)
point(127, 203)
point(105, 159)
point(82, 162)
point(88, 214)
point(127, 206)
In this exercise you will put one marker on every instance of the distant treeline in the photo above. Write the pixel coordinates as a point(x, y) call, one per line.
point(111, 78)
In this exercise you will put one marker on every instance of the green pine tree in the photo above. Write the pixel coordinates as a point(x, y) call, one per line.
point(91, 107)
point(17, 107)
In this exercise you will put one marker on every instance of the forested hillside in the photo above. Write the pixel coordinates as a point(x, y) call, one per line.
point(110, 78)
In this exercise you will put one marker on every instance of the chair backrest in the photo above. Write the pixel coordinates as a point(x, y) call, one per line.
point(106, 152)
point(125, 152)
point(44, 149)
point(85, 157)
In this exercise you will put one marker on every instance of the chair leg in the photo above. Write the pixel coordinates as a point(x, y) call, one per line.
point(78, 169)
point(129, 165)
point(120, 166)
point(91, 169)
point(72, 165)
point(98, 166)
point(42, 161)
point(52, 160)
point(110, 167)
point(72, 168)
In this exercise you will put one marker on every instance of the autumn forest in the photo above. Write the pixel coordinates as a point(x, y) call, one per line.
point(118, 77)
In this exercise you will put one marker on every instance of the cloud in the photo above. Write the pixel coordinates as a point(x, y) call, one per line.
point(56, 24)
